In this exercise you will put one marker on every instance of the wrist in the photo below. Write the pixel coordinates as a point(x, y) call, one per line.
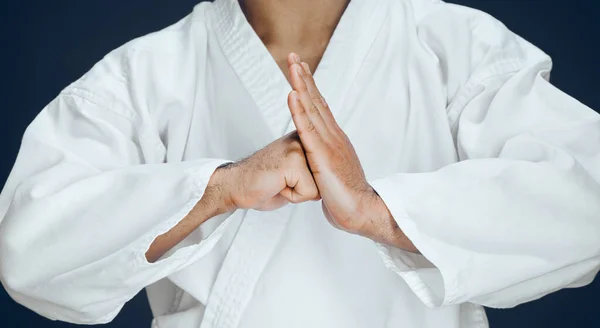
point(219, 190)
point(375, 216)
point(383, 227)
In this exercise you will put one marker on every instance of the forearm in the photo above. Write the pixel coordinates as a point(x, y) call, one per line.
point(214, 202)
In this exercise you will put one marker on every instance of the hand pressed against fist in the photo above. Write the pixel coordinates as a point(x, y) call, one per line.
point(272, 177)
point(349, 201)
point(331, 157)
point(315, 162)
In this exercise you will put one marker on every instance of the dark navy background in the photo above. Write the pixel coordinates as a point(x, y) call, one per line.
point(48, 44)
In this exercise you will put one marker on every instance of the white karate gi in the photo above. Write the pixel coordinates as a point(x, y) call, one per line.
point(492, 172)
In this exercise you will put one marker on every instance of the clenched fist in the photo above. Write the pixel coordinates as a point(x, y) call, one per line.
point(269, 179)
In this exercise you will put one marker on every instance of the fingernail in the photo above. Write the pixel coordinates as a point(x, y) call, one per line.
point(296, 59)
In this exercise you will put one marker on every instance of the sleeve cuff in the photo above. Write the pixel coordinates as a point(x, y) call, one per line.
point(198, 177)
point(419, 271)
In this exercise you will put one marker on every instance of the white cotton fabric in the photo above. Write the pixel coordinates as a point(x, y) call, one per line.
point(491, 171)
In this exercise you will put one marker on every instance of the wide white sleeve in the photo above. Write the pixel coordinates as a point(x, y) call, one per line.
point(518, 216)
point(84, 202)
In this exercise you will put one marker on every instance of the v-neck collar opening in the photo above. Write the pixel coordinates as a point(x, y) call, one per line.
point(261, 75)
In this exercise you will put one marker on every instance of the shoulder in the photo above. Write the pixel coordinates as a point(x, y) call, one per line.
point(152, 65)
point(467, 43)
point(191, 30)
point(173, 43)
point(454, 21)
point(477, 31)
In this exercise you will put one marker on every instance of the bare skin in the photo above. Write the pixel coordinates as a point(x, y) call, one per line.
point(284, 26)
point(279, 173)
point(269, 179)
point(349, 202)
point(301, 26)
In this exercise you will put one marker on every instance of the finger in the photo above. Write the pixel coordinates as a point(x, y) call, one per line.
point(297, 196)
point(304, 126)
point(311, 86)
point(292, 196)
point(311, 109)
point(301, 188)
point(315, 94)
point(306, 188)
point(292, 59)
point(288, 194)
point(274, 203)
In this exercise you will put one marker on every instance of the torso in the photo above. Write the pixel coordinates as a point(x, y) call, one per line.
point(290, 268)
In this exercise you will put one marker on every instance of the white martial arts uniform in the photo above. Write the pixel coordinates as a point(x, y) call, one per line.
point(491, 171)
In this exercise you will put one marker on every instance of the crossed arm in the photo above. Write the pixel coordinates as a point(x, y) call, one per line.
point(315, 162)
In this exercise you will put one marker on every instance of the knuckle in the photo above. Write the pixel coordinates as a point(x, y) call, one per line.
point(314, 108)
point(306, 67)
point(319, 100)
point(292, 138)
point(316, 98)
point(295, 153)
